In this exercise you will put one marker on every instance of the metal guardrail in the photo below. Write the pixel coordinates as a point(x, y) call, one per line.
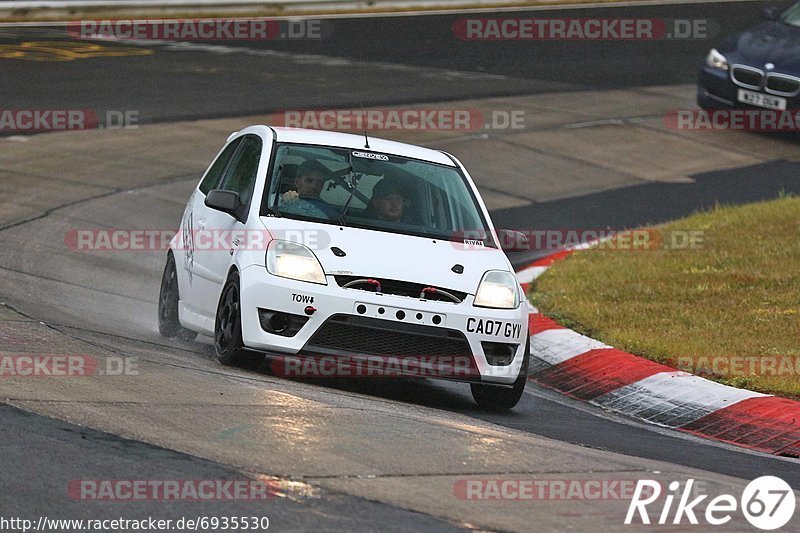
point(69, 4)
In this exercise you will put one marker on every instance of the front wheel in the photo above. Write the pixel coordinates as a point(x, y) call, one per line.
point(168, 324)
point(497, 398)
point(228, 344)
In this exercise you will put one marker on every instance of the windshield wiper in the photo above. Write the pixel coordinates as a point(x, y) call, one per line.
point(274, 207)
point(354, 178)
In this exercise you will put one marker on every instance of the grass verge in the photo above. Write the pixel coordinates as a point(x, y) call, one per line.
point(727, 308)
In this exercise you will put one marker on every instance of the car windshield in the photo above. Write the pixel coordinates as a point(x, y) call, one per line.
point(375, 191)
point(792, 15)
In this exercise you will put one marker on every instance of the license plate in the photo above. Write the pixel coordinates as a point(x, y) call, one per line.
point(762, 100)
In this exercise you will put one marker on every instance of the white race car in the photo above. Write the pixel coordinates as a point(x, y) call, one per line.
point(310, 244)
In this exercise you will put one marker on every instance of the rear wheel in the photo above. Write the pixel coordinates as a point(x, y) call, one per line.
point(496, 398)
point(228, 344)
point(168, 323)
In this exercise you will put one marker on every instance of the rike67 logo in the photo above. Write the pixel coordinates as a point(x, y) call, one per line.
point(766, 502)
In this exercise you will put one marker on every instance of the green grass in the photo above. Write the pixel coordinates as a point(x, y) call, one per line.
point(736, 294)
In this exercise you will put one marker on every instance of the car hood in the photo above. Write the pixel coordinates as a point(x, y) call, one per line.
point(378, 254)
point(768, 42)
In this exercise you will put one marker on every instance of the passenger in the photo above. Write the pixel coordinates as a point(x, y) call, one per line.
point(388, 201)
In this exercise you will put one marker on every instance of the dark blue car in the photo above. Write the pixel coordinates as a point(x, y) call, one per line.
point(757, 68)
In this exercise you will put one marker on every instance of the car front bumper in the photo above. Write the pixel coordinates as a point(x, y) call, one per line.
point(387, 325)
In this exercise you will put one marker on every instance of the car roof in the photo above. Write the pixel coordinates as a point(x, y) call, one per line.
point(347, 140)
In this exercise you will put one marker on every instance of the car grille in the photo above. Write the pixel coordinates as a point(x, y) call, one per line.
point(346, 334)
point(782, 85)
point(748, 77)
point(772, 82)
point(400, 288)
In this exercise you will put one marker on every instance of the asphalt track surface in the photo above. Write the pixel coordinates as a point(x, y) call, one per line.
point(192, 83)
point(75, 453)
point(386, 60)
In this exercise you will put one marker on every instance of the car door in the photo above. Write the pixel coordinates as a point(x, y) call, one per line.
point(214, 246)
point(192, 286)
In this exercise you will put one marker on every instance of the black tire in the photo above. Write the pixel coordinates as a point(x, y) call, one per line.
point(228, 345)
point(168, 323)
point(497, 398)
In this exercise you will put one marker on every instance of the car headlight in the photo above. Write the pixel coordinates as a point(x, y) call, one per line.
point(716, 60)
point(294, 261)
point(498, 289)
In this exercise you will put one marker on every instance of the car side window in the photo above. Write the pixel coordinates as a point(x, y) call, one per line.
point(241, 174)
point(214, 174)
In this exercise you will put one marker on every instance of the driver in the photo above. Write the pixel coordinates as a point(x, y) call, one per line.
point(308, 183)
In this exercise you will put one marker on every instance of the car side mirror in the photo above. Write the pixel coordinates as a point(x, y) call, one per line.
point(771, 12)
point(225, 201)
point(513, 241)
